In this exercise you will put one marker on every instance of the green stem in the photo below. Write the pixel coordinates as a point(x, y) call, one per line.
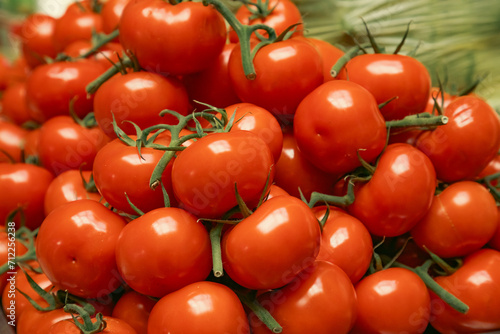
point(261, 313)
point(87, 327)
point(345, 200)
point(422, 119)
point(215, 239)
point(94, 85)
point(339, 65)
point(99, 41)
point(27, 238)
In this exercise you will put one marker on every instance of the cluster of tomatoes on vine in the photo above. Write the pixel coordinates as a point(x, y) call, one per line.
point(172, 167)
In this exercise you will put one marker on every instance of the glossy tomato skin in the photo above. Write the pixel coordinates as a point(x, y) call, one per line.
point(67, 187)
point(330, 54)
point(66, 145)
point(134, 308)
point(203, 307)
point(107, 55)
point(138, 97)
point(391, 75)
point(111, 12)
point(345, 241)
point(393, 300)
point(267, 249)
point(208, 190)
point(399, 193)
point(454, 226)
point(37, 33)
point(51, 87)
point(173, 39)
point(14, 104)
point(286, 72)
point(169, 241)
point(463, 147)
point(334, 122)
point(76, 239)
point(475, 284)
point(38, 322)
point(23, 185)
point(12, 138)
point(320, 299)
point(113, 326)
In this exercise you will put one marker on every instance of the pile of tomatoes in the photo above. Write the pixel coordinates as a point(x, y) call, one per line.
point(174, 167)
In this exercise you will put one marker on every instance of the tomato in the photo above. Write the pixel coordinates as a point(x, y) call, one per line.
point(113, 326)
point(258, 120)
point(491, 168)
point(111, 13)
point(345, 241)
point(391, 75)
point(77, 239)
point(494, 242)
point(18, 71)
point(107, 55)
point(282, 14)
point(330, 54)
point(286, 72)
point(4, 68)
point(463, 147)
point(23, 186)
point(78, 22)
point(321, 299)
point(32, 143)
point(294, 171)
point(238, 157)
point(393, 300)
point(67, 187)
point(275, 191)
point(475, 284)
point(171, 243)
point(454, 226)
point(37, 33)
point(271, 246)
point(138, 97)
point(134, 308)
point(51, 87)
point(38, 322)
point(203, 307)
point(399, 194)
point(12, 138)
point(65, 144)
point(119, 170)
point(335, 122)
point(14, 105)
point(173, 39)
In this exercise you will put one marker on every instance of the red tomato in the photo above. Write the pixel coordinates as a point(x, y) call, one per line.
point(171, 243)
point(393, 300)
point(321, 300)
point(493, 167)
point(37, 33)
point(78, 22)
point(462, 148)
point(38, 322)
point(391, 75)
point(475, 284)
point(32, 143)
point(282, 14)
point(271, 246)
point(203, 308)
point(14, 104)
point(4, 69)
point(334, 122)
point(12, 138)
point(330, 54)
point(51, 87)
point(107, 55)
point(111, 13)
point(294, 171)
point(113, 326)
point(208, 190)
point(286, 72)
point(119, 170)
point(138, 97)
point(399, 194)
point(275, 191)
point(65, 144)
point(134, 309)
point(67, 187)
point(77, 239)
point(454, 226)
point(173, 39)
point(23, 186)
point(346, 242)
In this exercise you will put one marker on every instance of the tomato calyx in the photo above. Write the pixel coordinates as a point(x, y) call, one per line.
point(86, 326)
point(250, 301)
point(341, 201)
point(259, 9)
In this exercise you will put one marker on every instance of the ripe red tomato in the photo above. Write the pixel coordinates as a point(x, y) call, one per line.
point(14, 104)
point(286, 72)
point(208, 189)
point(113, 326)
point(173, 39)
point(393, 300)
point(454, 226)
point(38, 322)
point(134, 308)
point(171, 243)
point(23, 186)
point(107, 55)
point(65, 144)
point(336, 121)
point(271, 246)
point(12, 138)
point(399, 194)
point(491, 168)
point(463, 147)
point(391, 75)
point(345, 241)
point(330, 54)
point(321, 299)
point(475, 284)
point(76, 239)
point(111, 13)
point(138, 97)
point(203, 307)
point(119, 170)
point(37, 33)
